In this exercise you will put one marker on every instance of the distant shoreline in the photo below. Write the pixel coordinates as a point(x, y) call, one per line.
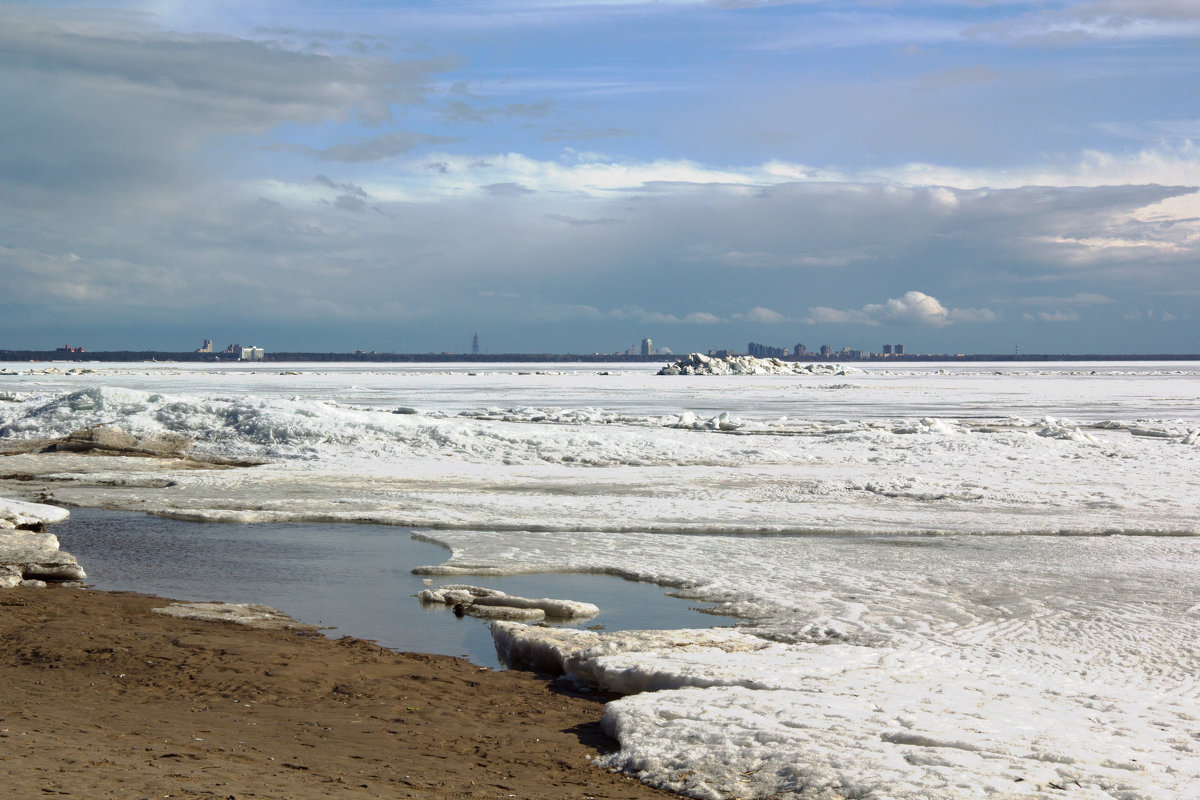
point(124, 356)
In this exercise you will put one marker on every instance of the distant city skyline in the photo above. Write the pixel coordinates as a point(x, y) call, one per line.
point(577, 176)
point(645, 349)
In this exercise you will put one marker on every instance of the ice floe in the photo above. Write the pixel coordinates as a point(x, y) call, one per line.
point(478, 601)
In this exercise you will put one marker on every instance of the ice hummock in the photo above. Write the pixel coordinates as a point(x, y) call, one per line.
point(28, 553)
point(700, 364)
point(719, 714)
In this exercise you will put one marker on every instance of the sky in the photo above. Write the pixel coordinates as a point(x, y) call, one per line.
point(960, 176)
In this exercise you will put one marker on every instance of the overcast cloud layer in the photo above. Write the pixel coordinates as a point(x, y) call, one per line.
point(573, 176)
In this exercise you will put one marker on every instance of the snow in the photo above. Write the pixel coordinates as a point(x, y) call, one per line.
point(894, 723)
point(20, 514)
point(975, 581)
point(700, 364)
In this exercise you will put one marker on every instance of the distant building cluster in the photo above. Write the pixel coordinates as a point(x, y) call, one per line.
point(759, 350)
point(66, 348)
point(766, 351)
point(238, 351)
point(646, 348)
point(247, 353)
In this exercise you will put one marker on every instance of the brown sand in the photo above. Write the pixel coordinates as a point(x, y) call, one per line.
point(100, 698)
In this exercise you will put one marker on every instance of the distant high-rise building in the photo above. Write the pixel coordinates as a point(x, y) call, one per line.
point(826, 351)
point(887, 349)
point(898, 349)
point(647, 347)
point(206, 347)
point(475, 344)
point(798, 351)
point(765, 350)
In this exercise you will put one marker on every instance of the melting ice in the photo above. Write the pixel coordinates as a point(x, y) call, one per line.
point(967, 582)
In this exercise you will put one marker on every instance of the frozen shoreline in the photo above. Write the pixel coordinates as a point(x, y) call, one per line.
point(29, 554)
point(981, 659)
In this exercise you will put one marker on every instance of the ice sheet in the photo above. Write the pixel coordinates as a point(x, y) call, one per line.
point(1016, 647)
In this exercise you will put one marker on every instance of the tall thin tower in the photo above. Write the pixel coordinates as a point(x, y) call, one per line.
point(475, 344)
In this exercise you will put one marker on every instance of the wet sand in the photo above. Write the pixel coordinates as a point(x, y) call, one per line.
point(105, 699)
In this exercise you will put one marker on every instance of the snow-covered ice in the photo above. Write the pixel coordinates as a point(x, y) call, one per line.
point(21, 514)
point(968, 581)
point(700, 364)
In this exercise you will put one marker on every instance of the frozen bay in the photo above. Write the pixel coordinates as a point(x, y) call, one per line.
point(976, 581)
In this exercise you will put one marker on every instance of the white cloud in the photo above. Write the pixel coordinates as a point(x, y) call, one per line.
point(1052, 316)
point(914, 308)
point(638, 314)
point(763, 315)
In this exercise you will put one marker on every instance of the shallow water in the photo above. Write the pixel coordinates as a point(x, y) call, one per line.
point(356, 579)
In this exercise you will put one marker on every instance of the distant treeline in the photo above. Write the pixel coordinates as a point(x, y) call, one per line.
point(434, 358)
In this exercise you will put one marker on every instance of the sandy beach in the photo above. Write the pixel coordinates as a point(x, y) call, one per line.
point(106, 699)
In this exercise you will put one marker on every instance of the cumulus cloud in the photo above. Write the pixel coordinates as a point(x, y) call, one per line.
point(146, 161)
point(764, 315)
point(913, 308)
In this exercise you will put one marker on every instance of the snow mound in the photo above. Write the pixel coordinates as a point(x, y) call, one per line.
point(700, 364)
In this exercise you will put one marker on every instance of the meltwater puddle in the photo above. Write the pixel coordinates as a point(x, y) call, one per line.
point(356, 579)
